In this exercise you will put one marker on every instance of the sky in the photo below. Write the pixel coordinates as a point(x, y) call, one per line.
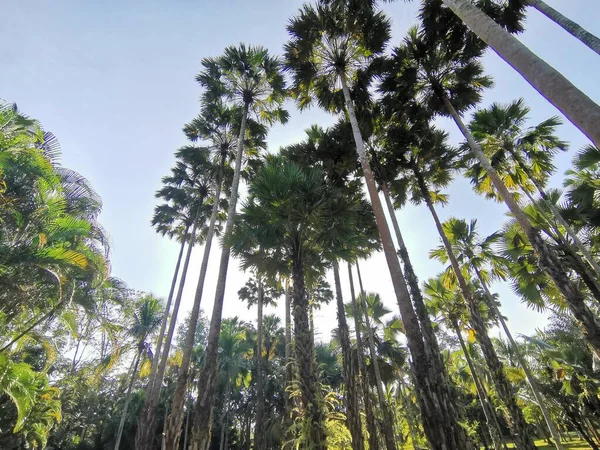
point(114, 81)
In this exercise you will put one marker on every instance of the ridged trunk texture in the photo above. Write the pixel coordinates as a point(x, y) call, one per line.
point(567, 24)
point(362, 365)
point(548, 260)
point(289, 368)
point(172, 430)
point(503, 387)
point(147, 423)
point(582, 111)
point(488, 412)
point(438, 373)
point(207, 381)
point(350, 374)
point(310, 395)
point(441, 427)
point(539, 398)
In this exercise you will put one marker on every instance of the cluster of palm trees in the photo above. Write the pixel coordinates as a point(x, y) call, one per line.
point(305, 212)
point(433, 376)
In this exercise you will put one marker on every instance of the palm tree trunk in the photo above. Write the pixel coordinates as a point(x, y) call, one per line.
point(444, 389)
point(147, 421)
point(312, 403)
point(387, 427)
point(224, 418)
point(488, 412)
point(133, 376)
point(349, 369)
point(362, 365)
point(567, 24)
point(289, 370)
point(441, 426)
point(503, 386)
point(582, 111)
point(187, 426)
point(174, 422)
point(548, 260)
point(259, 428)
point(539, 398)
point(165, 319)
point(208, 373)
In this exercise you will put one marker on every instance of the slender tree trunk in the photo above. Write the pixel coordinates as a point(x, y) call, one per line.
point(582, 111)
point(312, 403)
point(349, 369)
point(289, 369)
point(224, 419)
point(567, 24)
point(174, 422)
point(259, 427)
point(133, 377)
point(488, 412)
point(165, 319)
point(441, 426)
point(147, 421)
point(362, 365)
point(539, 398)
point(387, 427)
point(548, 260)
point(503, 386)
point(37, 322)
point(443, 388)
point(187, 425)
point(208, 373)
point(84, 334)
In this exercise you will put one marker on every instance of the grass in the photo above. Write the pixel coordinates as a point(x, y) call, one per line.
point(575, 444)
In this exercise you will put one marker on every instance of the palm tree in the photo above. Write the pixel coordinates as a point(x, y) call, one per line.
point(500, 131)
point(258, 291)
point(479, 258)
point(328, 49)
point(449, 82)
point(186, 188)
point(304, 222)
point(447, 301)
point(249, 79)
point(363, 375)
point(147, 315)
point(571, 27)
point(215, 125)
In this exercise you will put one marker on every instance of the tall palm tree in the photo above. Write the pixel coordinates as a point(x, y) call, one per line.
point(305, 220)
point(147, 315)
point(477, 256)
point(257, 291)
point(216, 125)
point(450, 82)
point(328, 49)
point(249, 79)
point(446, 301)
point(500, 130)
point(561, 20)
point(187, 187)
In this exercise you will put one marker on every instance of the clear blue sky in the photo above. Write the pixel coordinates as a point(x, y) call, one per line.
point(115, 82)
